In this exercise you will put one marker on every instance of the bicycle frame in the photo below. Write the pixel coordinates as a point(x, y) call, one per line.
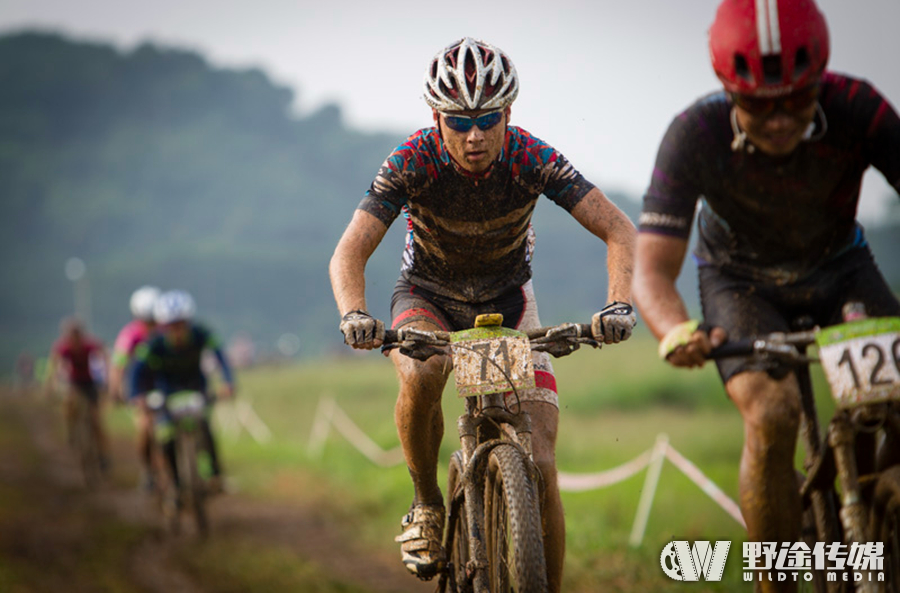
point(848, 448)
point(183, 428)
point(492, 436)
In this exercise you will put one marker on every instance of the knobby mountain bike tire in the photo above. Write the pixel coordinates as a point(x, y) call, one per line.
point(457, 542)
point(192, 487)
point(515, 544)
point(884, 524)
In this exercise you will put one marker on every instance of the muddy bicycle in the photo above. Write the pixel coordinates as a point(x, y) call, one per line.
point(851, 490)
point(86, 440)
point(493, 535)
point(180, 417)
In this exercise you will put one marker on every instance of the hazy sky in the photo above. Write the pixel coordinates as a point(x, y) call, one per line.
point(600, 80)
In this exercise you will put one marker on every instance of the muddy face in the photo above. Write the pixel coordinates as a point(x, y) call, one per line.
point(476, 149)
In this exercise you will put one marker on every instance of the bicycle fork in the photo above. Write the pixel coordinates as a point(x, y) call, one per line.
point(824, 511)
point(475, 456)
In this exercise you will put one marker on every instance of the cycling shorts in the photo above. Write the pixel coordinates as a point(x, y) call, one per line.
point(86, 389)
point(411, 304)
point(746, 308)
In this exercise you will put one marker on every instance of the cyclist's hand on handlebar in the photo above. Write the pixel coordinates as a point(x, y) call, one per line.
point(361, 330)
point(614, 323)
point(689, 343)
point(558, 345)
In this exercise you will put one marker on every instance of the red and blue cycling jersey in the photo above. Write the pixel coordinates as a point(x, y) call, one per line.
point(470, 236)
point(776, 219)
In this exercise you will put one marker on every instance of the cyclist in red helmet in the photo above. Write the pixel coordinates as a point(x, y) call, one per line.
point(776, 161)
point(468, 186)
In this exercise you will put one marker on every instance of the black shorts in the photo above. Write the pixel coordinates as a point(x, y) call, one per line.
point(746, 308)
point(87, 390)
point(413, 303)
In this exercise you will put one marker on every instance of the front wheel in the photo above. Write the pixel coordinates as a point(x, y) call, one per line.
point(192, 483)
point(515, 544)
point(884, 524)
point(457, 540)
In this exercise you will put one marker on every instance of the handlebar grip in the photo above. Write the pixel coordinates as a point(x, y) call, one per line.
point(584, 330)
point(391, 336)
point(742, 347)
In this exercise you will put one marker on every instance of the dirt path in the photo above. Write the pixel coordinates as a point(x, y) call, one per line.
point(57, 536)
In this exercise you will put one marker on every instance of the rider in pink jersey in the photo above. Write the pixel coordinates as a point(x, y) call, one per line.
point(134, 333)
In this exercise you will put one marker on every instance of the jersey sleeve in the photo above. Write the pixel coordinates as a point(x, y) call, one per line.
point(393, 184)
point(882, 141)
point(211, 342)
point(122, 348)
point(140, 378)
point(669, 203)
point(535, 161)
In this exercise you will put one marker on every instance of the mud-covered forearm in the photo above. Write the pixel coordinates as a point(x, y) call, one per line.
point(658, 264)
point(348, 264)
point(605, 220)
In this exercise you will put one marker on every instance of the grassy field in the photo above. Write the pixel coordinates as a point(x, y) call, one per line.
point(614, 403)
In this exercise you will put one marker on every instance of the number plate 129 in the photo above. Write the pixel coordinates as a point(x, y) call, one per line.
point(863, 369)
point(491, 365)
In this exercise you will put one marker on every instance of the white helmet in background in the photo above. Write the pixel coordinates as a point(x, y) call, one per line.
point(142, 301)
point(174, 305)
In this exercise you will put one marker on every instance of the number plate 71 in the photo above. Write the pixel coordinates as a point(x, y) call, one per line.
point(492, 365)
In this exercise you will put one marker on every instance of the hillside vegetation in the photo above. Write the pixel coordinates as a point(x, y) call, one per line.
point(153, 166)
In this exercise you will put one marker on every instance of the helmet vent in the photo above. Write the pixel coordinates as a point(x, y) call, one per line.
point(772, 69)
point(801, 62)
point(741, 68)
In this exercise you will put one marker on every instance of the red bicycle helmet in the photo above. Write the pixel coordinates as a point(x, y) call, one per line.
point(470, 75)
point(768, 47)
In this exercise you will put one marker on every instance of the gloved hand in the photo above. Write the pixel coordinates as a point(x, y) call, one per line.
point(690, 342)
point(361, 330)
point(614, 323)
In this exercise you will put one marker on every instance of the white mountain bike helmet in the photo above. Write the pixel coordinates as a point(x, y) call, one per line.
point(142, 301)
point(174, 305)
point(470, 75)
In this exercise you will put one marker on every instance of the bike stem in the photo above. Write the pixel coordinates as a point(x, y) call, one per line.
point(493, 412)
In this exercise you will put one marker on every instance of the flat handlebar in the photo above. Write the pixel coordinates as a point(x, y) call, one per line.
point(578, 330)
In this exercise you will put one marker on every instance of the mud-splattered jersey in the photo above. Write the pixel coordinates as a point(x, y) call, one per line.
point(776, 219)
point(470, 236)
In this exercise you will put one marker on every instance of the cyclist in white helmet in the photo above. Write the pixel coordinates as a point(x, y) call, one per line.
point(467, 186)
point(170, 361)
point(135, 331)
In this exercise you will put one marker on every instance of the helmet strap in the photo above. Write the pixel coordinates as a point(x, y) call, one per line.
point(740, 137)
point(813, 134)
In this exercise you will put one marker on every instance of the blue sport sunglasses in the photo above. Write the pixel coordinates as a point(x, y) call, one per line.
point(464, 123)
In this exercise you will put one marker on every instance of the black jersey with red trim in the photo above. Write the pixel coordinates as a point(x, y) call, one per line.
point(776, 219)
point(470, 236)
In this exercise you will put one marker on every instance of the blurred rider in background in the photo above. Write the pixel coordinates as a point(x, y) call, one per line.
point(73, 356)
point(170, 361)
point(136, 331)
